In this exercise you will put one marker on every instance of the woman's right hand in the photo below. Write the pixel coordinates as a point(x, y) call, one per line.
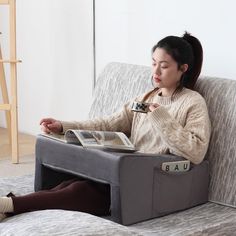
point(49, 125)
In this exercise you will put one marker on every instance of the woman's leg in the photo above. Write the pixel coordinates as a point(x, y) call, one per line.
point(64, 184)
point(85, 196)
point(6, 204)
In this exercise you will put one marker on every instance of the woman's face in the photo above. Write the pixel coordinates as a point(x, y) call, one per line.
point(165, 71)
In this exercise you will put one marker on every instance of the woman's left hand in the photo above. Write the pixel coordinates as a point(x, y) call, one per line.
point(153, 106)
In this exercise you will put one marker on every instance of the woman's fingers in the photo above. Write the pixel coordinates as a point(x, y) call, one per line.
point(50, 125)
point(46, 120)
point(46, 124)
point(45, 129)
point(153, 106)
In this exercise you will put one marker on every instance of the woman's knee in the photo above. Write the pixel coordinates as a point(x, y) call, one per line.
point(78, 186)
point(89, 189)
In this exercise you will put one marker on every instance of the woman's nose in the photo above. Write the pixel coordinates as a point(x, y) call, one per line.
point(156, 70)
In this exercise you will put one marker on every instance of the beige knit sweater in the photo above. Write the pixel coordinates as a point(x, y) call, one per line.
point(179, 125)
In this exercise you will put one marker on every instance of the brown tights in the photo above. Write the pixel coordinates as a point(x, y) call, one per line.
point(75, 195)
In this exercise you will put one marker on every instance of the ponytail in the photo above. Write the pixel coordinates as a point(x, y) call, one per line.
point(191, 75)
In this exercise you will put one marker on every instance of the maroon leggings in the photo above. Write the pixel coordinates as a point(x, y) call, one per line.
point(75, 195)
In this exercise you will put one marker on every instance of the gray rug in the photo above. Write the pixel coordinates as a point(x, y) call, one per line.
point(208, 219)
point(17, 184)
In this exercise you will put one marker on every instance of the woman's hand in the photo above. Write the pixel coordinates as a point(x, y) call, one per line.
point(153, 106)
point(51, 125)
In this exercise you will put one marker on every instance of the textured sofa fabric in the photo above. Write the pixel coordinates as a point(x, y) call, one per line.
point(220, 98)
point(117, 84)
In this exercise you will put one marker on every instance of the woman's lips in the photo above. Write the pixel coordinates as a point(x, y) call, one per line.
point(156, 79)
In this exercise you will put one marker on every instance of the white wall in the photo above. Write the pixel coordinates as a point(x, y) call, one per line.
point(126, 30)
point(54, 42)
point(54, 39)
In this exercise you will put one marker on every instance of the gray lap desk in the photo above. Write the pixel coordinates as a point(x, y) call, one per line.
point(140, 190)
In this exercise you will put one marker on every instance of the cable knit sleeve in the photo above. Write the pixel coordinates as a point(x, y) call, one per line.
point(189, 140)
point(120, 121)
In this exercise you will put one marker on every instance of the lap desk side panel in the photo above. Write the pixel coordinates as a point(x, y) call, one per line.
point(139, 189)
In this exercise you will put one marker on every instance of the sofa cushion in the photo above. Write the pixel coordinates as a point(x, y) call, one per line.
point(61, 222)
point(210, 217)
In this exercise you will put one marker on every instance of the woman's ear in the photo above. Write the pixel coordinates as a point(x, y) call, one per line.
point(184, 67)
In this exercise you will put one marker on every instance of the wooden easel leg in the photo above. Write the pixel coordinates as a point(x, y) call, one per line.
point(11, 108)
point(14, 133)
point(5, 97)
point(14, 118)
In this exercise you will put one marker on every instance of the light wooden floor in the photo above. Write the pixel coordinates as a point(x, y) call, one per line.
point(26, 144)
point(26, 151)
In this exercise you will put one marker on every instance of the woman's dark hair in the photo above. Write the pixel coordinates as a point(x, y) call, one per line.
point(184, 50)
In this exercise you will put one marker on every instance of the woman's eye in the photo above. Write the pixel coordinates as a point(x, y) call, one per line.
point(164, 67)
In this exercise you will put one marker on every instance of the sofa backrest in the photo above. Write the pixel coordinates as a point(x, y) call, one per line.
point(120, 82)
point(220, 97)
point(117, 84)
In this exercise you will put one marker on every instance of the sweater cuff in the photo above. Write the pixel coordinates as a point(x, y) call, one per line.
point(159, 116)
point(68, 125)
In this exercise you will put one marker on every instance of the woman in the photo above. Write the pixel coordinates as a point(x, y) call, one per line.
point(177, 123)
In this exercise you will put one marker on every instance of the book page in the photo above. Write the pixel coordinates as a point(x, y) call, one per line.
point(109, 139)
point(71, 137)
point(100, 138)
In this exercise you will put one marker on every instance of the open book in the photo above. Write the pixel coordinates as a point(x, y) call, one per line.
point(95, 139)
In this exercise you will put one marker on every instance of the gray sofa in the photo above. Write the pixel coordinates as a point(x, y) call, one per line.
point(216, 217)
